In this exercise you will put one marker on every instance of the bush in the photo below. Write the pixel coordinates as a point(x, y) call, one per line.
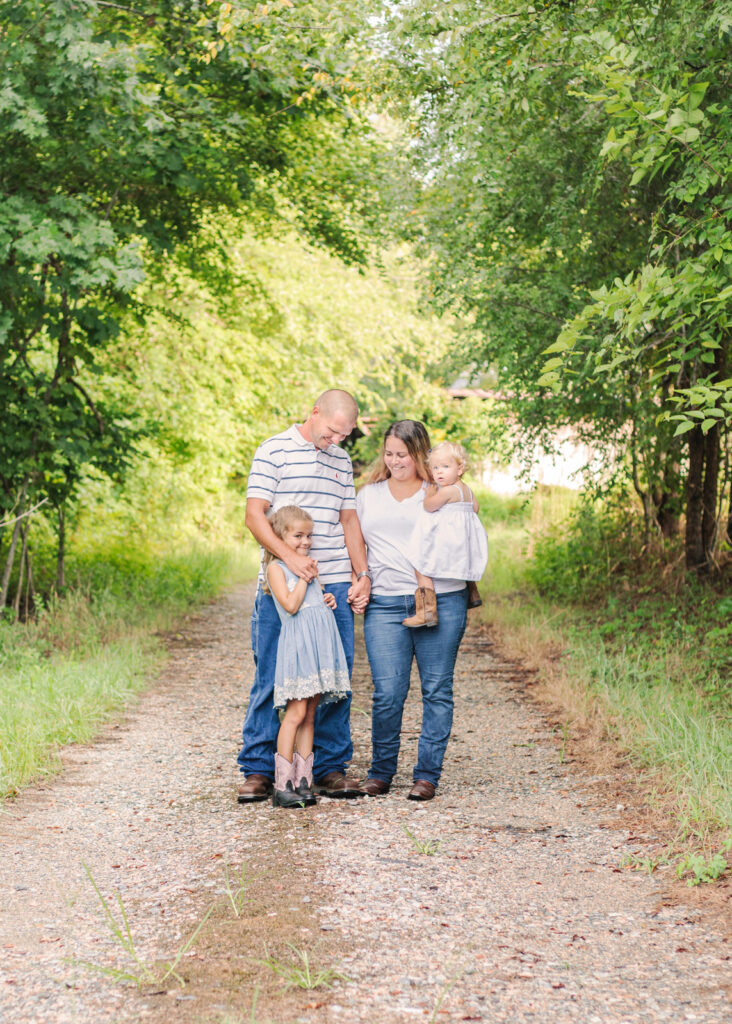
point(576, 559)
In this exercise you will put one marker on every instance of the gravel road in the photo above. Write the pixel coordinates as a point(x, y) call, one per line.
point(518, 911)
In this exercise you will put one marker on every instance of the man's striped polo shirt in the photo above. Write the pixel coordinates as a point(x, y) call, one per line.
point(288, 470)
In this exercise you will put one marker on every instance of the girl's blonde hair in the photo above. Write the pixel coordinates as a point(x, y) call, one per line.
point(417, 442)
point(456, 451)
point(282, 522)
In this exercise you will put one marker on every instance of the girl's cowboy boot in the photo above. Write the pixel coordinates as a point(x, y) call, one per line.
point(474, 598)
point(426, 609)
point(284, 794)
point(302, 772)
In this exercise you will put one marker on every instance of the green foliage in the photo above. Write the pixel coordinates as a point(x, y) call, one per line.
point(122, 142)
point(576, 207)
point(575, 559)
point(427, 847)
point(701, 869)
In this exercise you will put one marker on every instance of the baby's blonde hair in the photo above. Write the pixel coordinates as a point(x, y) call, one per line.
point(455, 450)
point(282, 522)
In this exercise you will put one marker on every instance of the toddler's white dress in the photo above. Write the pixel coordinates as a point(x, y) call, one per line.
point(449, 543)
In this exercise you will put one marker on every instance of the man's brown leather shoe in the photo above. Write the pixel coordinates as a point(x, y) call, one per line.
point(421, 790)
point(255, 788)
point(375, 787)
point(339, 786)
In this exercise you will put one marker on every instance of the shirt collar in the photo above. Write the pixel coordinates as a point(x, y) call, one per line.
point(294, 433)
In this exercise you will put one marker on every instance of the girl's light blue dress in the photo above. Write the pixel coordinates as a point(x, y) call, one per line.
point(310, 655)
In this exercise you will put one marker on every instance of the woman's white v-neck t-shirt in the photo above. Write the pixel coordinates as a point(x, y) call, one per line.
point(387, 525)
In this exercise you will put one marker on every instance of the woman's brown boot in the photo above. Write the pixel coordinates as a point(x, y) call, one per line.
point(474, 598)
point(426, 609)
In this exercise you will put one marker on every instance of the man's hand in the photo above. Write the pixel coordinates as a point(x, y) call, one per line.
point(359, 594)
point(302, 565)
point(256, 520)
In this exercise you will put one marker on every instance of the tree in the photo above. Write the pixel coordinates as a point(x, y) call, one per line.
point(564, 147)
point(119, 141)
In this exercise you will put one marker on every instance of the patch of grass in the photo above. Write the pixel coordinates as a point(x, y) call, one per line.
point(237, 888)
point(47, 703)
point(626, 643)
point(647, 864)
point(88, 652)
point(302, 973)
point(428, 847)
point(136, 970)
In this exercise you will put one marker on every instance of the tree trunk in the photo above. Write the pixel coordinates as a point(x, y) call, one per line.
point(61, 551)
point(666, 515)
point(21, 571)
point(694, 545)
point(10, 560)
point(30, 589)
point(709, 494)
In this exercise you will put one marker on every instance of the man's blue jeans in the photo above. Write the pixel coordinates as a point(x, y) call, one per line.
point(392, 648)
point(333, 748)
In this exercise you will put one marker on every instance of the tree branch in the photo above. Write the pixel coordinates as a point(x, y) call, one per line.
point(97, 415)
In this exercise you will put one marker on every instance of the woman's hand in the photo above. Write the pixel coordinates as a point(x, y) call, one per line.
point(358, 595)
point(330, 600)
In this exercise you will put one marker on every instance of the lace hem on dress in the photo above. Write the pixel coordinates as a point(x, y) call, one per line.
point(331, 684)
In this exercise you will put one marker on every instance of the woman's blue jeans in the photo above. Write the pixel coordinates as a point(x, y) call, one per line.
point(392, 648)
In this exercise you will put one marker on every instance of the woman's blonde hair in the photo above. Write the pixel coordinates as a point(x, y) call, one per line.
point(282, 522)
point(455, 451)
point(417, 442)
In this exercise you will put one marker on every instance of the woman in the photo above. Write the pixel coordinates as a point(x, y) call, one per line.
point(387, 509)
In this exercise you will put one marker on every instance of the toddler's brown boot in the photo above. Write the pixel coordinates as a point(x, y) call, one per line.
point(426, 609)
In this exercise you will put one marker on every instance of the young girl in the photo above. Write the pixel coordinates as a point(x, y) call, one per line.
point(448, 540)
point(311, 662)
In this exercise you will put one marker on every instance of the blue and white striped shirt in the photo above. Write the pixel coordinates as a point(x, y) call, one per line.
point(288, 470)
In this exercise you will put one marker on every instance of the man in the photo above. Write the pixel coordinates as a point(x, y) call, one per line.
point(304, 466)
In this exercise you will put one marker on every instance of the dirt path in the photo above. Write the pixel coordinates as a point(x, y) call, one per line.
point(521, 914)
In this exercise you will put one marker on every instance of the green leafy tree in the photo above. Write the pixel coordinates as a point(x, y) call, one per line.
point(120, 139)
point(561, 148)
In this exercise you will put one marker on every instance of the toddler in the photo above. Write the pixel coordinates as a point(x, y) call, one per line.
point(448, 540)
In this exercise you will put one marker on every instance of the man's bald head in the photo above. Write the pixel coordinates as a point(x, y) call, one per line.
point(332, 419)
point(335, 400)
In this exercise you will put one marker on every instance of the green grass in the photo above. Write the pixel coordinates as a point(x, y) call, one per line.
point(657, 713)
point(646, 653)
point(63, 700)
point(87, 654)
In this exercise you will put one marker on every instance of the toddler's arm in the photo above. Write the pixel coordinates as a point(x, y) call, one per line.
point(289, 599)
point(436, 496)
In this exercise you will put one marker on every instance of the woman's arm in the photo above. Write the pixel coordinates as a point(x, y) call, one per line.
point(436, 497)
point(289, 599)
